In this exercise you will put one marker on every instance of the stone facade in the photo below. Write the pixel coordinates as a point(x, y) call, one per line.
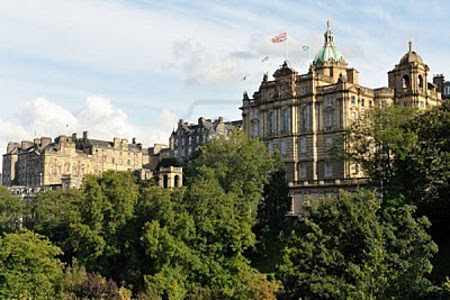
point(67, 159)
point(188, 137)
point(302, 116)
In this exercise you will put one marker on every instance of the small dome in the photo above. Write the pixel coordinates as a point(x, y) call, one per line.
point(411, 57)
point(329, 52)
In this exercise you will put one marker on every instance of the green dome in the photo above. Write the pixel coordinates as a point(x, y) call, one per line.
point(328, 52)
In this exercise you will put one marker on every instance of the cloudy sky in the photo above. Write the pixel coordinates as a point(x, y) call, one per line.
point(133, 68)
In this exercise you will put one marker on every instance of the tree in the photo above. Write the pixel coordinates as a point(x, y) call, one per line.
point(99, 231)
point(376, 144)
point(12, 211)
point(52, 213)
point(29, 267)
point(351, 248)
point(199, 252)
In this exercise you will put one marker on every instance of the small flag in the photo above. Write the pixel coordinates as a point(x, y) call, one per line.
point(282, 37)
point(305, 48)
point(265, 59)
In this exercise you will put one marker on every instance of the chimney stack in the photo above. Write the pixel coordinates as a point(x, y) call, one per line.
point(85, 135)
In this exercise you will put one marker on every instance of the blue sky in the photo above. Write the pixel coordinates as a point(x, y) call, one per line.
point(133, 68)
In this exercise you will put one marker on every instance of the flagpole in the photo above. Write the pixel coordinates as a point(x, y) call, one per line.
point(287, 48)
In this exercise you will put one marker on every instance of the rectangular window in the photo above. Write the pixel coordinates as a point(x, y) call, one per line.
point(270, 147)
point(353, 100)
point(302, 170)
point(272, 122)
point(328, 169)
point(305, 118)
point(284, 145)
point(285, 120)
point(329, 101)
point(256, 129)
point(329, 120)
point(353, 117)
point(303, 145)
point(328, 143)
point(362, 102)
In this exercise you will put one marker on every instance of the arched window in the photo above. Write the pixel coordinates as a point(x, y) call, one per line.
point(420, 81)
point(166, 181)
point(405, 82)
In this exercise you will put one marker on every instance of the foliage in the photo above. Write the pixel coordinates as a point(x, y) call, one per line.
point(52, 213)
point(351, 248)
point(98, 232)
point(12, 210)
point(78, 284)
point(378, 142)
point(29, 268)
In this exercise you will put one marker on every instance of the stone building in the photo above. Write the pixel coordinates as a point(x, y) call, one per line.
point(442, 85)
point(301, 116)
point(64, 161)
point(188, 137)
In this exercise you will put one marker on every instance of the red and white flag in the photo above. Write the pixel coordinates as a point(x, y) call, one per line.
point(282, 37)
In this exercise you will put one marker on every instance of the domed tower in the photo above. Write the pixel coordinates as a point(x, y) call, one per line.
point(409, 80)
point(329, 60)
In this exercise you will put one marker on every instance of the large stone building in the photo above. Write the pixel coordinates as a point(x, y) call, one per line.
point(188, 137)
point(64, 161)
point(301, 116)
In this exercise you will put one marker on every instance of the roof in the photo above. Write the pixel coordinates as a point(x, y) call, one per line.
point(411, 57)
point(329, 52)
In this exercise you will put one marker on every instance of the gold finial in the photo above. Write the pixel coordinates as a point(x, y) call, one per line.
point(328, 24)
point(410, 45)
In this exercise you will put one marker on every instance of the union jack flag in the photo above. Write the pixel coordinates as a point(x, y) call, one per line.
point(282, 37)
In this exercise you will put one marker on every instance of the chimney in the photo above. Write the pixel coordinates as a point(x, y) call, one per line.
point(37, 141)
point(26, 144)
point(45, 141)
point(85, 135)
point(133, 140)
point(74, 137)
point(439, 80)
point(116, 142)
point(12, 146)
point(220, 119)
point(201, 120)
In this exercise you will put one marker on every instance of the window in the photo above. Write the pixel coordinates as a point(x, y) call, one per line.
point(329, 101)
point(270, 147)
point(353, 100)
point(302, 170)
point(383, 104)
point(328, 143)
point(255, 114)
point(305, 118)
point(420, 81)
point(363, 102)
point(272, 122)
point(284, 145)
point(357, 168)
point(370, 103)
point(405, 81)
point(329, 119)
point(303, 90)
point(446, 90)
point(182, 142)
point(303, 145)
point(51, 170)
point(328, 169)
point(256, 129)
point(175, 153)
point(285, 120)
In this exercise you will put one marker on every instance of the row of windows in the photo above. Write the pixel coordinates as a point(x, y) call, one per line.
point(303, 145)
point(302, 170)
point(190, 140)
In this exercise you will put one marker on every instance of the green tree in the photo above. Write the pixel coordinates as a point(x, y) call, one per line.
point(12, 211)
point(99, 231)
point(376, 144)
point(199, 252)
point(29, 267)
point(52, 213)
point(351, 248)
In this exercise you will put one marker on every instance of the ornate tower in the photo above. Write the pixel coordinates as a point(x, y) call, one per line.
point(409, 80)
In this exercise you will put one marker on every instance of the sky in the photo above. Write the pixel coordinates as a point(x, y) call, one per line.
point(133, 68)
